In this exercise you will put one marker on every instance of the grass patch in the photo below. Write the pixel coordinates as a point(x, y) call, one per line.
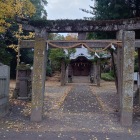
point(107, 77)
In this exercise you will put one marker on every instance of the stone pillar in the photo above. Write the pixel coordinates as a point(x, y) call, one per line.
point(98, 73)
point(139, 73)
point(127, 78)
point(92, 69)
point(70, 73)
point(39, 76)
point(63, 73)
point(119, 67)
point(95, 72)
point(66, 74)
point(92, 73)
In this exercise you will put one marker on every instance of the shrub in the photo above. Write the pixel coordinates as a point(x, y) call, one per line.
point(107, 76)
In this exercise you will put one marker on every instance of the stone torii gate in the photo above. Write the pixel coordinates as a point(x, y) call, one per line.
point(125, 57)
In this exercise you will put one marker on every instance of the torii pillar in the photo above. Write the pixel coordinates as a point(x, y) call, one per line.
point(119, 66)
point(98, 72)
point(126, 79)
point(139, 74)
point(63, 73)
point(39, 75)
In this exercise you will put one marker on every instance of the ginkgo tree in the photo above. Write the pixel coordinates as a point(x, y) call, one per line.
point(9, 9)
point(20, 35)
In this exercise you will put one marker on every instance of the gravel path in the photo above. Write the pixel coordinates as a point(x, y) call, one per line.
point(80, 99)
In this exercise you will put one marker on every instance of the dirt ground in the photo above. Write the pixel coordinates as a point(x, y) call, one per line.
point(75, 111)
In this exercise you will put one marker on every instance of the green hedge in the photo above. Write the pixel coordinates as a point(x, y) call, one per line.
point(107, 76)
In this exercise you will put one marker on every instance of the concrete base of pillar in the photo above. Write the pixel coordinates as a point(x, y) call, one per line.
point(36, 114)
point(126, 118)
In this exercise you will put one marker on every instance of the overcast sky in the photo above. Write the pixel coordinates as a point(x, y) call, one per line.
point(67, 9)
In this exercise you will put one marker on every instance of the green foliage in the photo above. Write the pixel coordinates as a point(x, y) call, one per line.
point(101, 35)
point(107, 76)
point(71, 51)
point(27, 56)
point(7, 55)
point(136, 67)
point(56, 55)
point(49, 70)
point(53, 36)
point(109, 9)
point(112, 9)
point(40, 6)
point(9, 9)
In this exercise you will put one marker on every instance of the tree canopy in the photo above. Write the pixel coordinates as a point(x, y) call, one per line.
point(9, 9)
point(114, 9)
point(56, 55)
point(40, 6)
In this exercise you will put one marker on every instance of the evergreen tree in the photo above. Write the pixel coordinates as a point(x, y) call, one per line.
point(112, 9)
point(40, 6)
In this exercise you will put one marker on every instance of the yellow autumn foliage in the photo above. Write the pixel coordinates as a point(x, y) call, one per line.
point(11, 8)
point(19, 35)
